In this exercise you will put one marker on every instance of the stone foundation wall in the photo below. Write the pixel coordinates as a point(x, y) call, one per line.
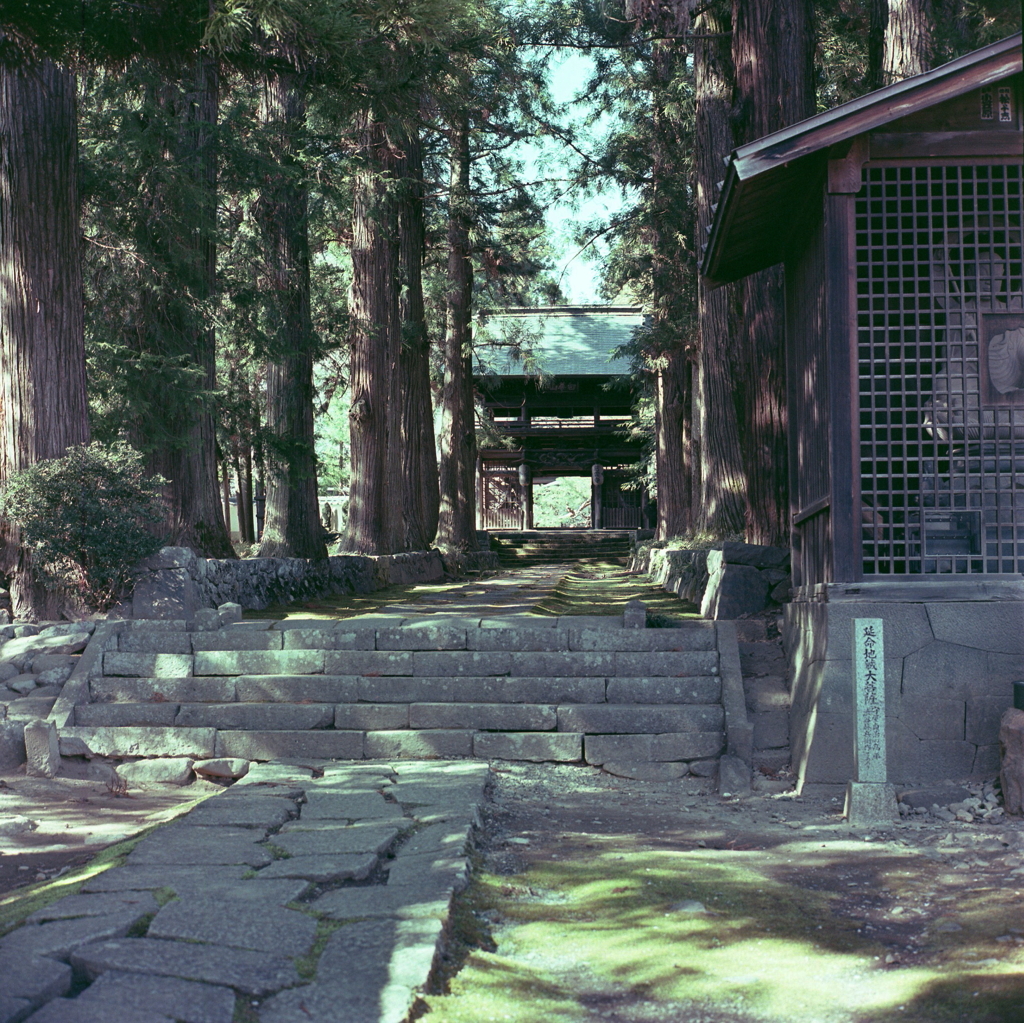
point(174, 583)
point(948, 669)
point(733, 580)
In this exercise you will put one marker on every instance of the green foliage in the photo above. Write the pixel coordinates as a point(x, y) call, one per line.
point(81, 517)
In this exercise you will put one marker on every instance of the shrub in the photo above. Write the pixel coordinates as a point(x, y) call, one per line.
point(82, 518)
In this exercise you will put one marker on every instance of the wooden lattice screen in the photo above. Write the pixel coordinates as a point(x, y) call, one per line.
point(941, 369)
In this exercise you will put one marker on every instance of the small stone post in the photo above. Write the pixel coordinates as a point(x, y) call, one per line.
point(596, 496)
point(870, 799)
point(526, 494)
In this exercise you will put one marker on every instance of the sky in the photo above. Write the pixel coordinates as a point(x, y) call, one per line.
point(579, 273)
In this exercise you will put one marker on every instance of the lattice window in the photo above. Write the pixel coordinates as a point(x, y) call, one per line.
point(940, 316)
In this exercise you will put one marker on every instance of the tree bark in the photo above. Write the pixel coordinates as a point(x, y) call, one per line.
point(375, 489)
point(420, 488)
point(43, 407)
point(909, 47)
point(292, 528)
point(878, 20)
point(719, 478)
point(773, 53)
point(457, 517)
point(182, 448)
point(673, 429)
point(673, 269)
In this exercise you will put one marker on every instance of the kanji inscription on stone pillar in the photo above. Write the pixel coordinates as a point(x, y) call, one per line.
point(869, 696)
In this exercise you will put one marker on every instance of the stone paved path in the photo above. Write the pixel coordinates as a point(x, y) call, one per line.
point(305, 892)
point(511, 593)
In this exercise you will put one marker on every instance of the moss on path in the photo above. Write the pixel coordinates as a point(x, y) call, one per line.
point(638, 904)
point(590, 588)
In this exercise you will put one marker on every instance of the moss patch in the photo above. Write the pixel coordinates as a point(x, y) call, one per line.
point(611, 932)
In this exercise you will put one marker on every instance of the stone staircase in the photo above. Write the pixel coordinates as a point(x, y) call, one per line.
point(564, 689)
point(556, 546)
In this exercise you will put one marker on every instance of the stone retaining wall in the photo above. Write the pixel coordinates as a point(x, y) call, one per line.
point(733, 580)
point(949, 665)
point(174, 583)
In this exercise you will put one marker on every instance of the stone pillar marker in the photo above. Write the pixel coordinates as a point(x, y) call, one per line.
point(870, 799)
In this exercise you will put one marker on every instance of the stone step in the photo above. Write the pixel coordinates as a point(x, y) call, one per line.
point(596, 661)
point(351, 689)
point(384, 744)
point(599, 718)
point(169, 651)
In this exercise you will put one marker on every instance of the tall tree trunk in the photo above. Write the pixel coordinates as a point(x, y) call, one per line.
point(292, 528)
point(421, 495)
point(672, 432)
point(721, 485)
point(909, 39)
point(457, 518)
point(672, 270)
point(43, 407)
point(773, 53)
point(878, 20)
point(183, 449)
point(375, 506)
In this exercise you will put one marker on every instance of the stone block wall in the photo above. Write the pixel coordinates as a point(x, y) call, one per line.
point(174, 583)
point(948, 672)
point(726, 582)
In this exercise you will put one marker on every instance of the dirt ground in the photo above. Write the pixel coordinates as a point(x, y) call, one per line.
point(49, 826)
point(598, 898)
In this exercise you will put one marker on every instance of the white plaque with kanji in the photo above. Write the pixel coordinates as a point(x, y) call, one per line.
point(869, 700)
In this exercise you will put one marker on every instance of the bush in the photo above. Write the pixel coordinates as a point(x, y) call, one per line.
point(81, 517)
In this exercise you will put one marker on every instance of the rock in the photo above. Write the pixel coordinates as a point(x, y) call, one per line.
point(222, 767)
point(69, 629)
point(238, 922)
point(253, 973)
point(732, 590)
point(54, 676)
point(703, 768)
point(42, 751)
point(21, 631)
point(688, 906)
point(931, 795)
point(641, 771)
point(34, 978)
point(23, 684)
point(635, 615)
point(207, 619)
point(8, 671)
point(782, 592)
point(119, 995)
point(44, 662)
point(12, 744)
point(754, 555)
point(169, 557)
point(229, 612)
point(16, 825)
point(733, 776)
point(169, 593)
point(23, 650)
point(1011, 748)
point(161, 771)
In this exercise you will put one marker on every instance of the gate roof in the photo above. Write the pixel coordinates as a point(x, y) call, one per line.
point(555, 340)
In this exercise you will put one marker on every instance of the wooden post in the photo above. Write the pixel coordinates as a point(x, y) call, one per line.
point(596, 506)
point(526, 494)
point(869, 797)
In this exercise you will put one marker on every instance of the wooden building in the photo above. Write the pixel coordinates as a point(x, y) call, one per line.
point(554, 390)
point(898, 218)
